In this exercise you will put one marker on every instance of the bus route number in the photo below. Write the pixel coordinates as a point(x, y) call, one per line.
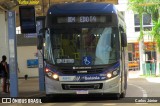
point(82, 19)
point(87, 19)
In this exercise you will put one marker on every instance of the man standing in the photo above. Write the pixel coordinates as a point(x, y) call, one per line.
point(5, 74)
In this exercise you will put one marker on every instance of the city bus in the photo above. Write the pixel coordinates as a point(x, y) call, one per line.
point(85, 50)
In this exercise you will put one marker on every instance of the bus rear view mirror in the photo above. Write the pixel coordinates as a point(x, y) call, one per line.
point(42, 31)
point(39, 42)
point(123, 39)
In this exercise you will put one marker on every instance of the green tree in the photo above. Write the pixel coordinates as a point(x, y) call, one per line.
point(152, 7)
point(134, 5)
point(153, 10)
point(156, 34)
point(149, 7)
point(145, 6)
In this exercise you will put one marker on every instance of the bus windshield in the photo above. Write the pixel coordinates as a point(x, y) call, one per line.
point(85, 46)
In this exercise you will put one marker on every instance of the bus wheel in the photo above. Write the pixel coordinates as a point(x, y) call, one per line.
point(123, 94)
point(50, 95)
point(117, 96)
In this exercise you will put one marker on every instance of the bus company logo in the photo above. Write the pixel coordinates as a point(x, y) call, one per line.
point(92, 78)
point(77, 78)
point(85, 71)
point(86, 78)
point(75, 68)
point(6, 100)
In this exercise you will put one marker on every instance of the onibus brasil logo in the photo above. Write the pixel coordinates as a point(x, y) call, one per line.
point(21, 100)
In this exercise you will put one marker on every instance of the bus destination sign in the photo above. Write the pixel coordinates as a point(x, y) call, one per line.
point(82, 19)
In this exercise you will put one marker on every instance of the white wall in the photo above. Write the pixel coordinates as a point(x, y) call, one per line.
point(132, 36)
point(3, 36)
point(23, 54)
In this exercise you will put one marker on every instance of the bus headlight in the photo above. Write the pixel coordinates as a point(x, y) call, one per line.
point(51, 74)
point(109, 75)
point(113, 73)
point(55, 76)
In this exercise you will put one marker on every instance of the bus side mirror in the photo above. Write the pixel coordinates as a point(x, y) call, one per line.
point(123, 39)
point(39, 42)
point(42, 31)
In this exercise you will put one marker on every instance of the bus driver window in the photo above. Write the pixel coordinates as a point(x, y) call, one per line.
point(103, 47)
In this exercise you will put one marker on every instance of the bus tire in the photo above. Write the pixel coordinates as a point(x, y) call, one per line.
point(50, 95)
point(123, 94)
point(118, 96)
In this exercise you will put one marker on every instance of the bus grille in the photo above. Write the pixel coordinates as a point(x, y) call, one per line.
point(85, 71)
point(82, 86)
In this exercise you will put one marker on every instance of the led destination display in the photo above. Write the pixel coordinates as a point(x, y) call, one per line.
point(84, 19)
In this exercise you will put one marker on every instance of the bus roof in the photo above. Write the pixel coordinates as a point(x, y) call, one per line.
point(82, 8)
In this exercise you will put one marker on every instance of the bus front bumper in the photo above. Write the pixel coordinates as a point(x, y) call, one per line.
point(110, 86)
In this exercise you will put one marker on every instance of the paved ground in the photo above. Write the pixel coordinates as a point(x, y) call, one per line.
point(27, 88)
point(30, 87)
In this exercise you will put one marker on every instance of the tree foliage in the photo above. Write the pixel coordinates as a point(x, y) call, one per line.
point(154, 11)
point(152, 8)
point(156, 34)
point(149, 7)
point(134, 5)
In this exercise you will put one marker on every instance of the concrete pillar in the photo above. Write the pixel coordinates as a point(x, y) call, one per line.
point(3, 36)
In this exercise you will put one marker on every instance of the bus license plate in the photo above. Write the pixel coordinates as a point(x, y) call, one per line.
point(82, 92)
